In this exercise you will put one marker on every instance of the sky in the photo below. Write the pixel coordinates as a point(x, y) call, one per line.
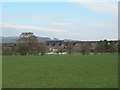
point(73, 19)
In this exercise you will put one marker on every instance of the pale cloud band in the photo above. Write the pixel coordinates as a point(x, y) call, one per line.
point(59, 23)
point(104, 8)
point(6, 25)
point(43, 17)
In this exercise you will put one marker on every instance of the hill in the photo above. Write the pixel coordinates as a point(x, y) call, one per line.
point(14, 39)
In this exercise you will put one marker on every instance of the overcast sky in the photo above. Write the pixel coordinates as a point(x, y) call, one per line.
point(93, 20)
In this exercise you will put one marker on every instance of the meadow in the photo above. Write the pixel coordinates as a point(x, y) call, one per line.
point(62, 71)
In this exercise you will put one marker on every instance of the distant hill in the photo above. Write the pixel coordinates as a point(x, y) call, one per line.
point(14, 39)
point(43, 39)
point(9, 39)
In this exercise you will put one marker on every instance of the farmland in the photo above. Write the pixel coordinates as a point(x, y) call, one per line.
point(60, 71)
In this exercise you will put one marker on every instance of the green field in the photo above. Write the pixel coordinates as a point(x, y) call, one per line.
point(63, 71)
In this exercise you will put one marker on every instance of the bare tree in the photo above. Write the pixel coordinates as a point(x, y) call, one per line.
point(15, 50)
point(100, 48)
point(42, 48)
point(6, 51)
point(23, 48)
point(26, 43)
point(112, 47)
point(70, 48)
point(105, 42)
point(86, 48)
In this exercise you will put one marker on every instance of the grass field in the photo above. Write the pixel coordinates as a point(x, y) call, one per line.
point(64, 71)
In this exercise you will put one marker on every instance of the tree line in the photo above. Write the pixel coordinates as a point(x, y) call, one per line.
point(28, 44)
point(89, 48)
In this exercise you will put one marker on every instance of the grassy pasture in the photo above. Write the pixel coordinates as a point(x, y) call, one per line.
point(63, 71)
